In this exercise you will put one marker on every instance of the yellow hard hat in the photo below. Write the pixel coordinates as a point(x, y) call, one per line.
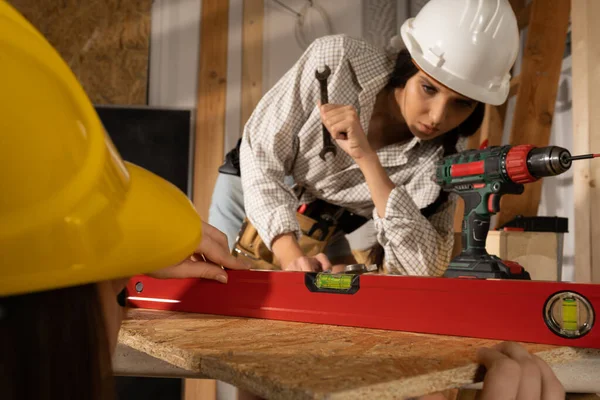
point(71, 211)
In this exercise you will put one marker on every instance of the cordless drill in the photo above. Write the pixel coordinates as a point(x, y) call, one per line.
point(481, 178)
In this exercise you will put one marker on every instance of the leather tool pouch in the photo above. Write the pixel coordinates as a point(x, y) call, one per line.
point(250, 247)
point(316, 233)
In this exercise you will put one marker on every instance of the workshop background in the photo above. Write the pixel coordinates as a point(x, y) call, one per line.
point(144, 52)
point(143, 56)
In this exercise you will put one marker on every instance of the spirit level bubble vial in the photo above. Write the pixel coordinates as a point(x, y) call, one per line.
point(332, 283)
point(569, 314)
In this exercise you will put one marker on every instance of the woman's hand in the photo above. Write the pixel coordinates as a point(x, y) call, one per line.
point(514, 373)
point(292, 258)
point(338, 268)
point(344, 126)
point(318, 263)
point(207, 259)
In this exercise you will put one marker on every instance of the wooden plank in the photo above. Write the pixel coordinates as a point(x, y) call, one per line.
point(288, 360)
point(104, 42)
point(252, 56)
point(212, 85)
point(538, 252)
point(210, 129)
point(130, 362)
point(199, 389)
point(540, 72)
point(586, 131)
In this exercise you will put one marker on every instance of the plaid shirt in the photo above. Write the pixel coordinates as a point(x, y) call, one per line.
point(284, 137)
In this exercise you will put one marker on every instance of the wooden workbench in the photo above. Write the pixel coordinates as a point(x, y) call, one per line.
point(287, 360)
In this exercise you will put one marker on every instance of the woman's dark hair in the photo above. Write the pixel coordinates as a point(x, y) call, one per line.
point(53, 345)
point(404, 69)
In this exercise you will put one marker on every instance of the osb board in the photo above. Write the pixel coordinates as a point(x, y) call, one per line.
point(105, 42)
point(287, 360)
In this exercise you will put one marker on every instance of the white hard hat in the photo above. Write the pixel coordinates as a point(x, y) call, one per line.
point(468, 46)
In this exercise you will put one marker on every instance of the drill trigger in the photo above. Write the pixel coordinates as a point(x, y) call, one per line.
point(494, 203)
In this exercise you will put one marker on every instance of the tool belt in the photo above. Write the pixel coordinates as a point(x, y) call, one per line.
point(231, 164)
point(318, 221)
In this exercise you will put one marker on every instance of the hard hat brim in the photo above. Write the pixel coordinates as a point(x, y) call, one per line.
point(157, 227)
point(160, 225)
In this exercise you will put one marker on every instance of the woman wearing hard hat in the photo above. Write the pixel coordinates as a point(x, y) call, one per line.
point(76, 221)
point(391, 120)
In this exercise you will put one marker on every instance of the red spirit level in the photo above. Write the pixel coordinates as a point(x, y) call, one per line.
point(528, 311)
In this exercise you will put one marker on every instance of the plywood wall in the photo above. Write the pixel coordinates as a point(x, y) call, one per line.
point(105, 42)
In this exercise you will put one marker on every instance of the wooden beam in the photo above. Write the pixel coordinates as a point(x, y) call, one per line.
point(252, 67)
point(517, 5)
point(586, 136)
point(493, 124)
point(252, 56)
point(523, 16)
point(540, 72)
point(514, 86)
point(210, 130)
point(210, 117)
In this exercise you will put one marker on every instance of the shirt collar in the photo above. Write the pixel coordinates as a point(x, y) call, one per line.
point(371, 71)
point(396, 154)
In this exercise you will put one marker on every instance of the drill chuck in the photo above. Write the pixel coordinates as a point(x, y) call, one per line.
point(548, 161)
point(526, 163)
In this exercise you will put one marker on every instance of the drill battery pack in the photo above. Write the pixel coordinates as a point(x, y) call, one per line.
point(538, 224)
point(485, 267)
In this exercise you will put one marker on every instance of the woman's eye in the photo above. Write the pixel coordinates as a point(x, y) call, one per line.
point(429, 89)
point(466, 104)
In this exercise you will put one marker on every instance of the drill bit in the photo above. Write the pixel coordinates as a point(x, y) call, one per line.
point(584, 156)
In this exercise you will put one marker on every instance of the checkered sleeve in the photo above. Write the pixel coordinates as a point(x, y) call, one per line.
point(413, 244)
point(270, 144)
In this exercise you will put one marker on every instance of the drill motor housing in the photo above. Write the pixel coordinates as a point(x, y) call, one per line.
point(481, 178)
